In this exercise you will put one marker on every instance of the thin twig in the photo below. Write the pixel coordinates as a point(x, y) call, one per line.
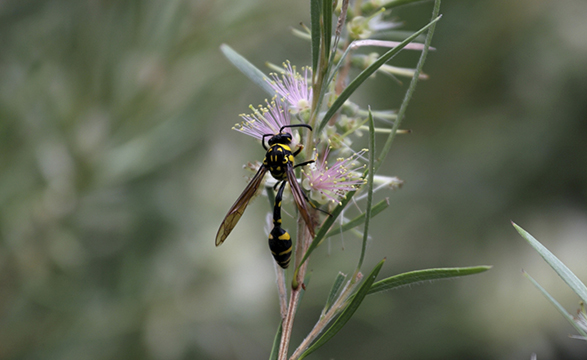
point(324, 320)
point(304, 239)
point(281, 289)
point(288, 324)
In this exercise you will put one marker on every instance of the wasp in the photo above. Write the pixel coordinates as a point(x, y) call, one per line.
point(279, 161)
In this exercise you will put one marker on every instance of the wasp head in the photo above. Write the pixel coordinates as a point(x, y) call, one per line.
point(281, 138)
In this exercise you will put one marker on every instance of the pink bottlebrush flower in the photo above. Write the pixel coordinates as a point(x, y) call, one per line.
point(293, 88)
point(264, 120)
point(331, 184)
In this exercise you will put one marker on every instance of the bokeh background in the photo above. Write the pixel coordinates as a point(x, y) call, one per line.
point(118, 163)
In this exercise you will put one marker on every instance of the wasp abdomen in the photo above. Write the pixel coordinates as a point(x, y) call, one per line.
point(280, 245)
point(280, 242)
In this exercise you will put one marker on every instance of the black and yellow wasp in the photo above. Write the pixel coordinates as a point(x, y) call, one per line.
point(279, 161)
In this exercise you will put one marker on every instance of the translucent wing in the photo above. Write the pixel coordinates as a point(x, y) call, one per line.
point(237, 210)
point(300, 199)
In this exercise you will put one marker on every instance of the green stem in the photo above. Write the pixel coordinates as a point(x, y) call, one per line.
point(369, 193)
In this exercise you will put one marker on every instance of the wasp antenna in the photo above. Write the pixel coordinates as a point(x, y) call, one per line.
point(295, 125)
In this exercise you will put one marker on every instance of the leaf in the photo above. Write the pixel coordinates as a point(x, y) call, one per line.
point(276, 342)
point(350, 89)
point(386, 147)
point(370, 7)
point(561, 269)
point(396, 3)
point(411, 89)
point(418, 276)
point(248, 69)
point(321, 30)
point(369, 189)
point(334, 291)
point(347, 313)
point(327, 27)
point(315, 24)
point(375, 210)
point(558, 306)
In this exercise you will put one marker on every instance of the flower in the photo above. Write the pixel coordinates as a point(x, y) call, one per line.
point(332, 184)
point(264, 120)
point(293, 88)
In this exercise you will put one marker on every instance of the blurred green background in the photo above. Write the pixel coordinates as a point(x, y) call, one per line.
point(118, 163)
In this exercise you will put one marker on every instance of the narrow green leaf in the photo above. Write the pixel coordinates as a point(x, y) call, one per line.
point(323, 63)
point(375, 210)
point(276, 341)
point(418, 276)
point(368, 72)
point(558, 306)
point(396, 3)
point(369, 7)
point(399, 35)
point(327, 28)
point(369, 189)
point(411, 89)
point(334, 291)
point(347, 313)
point(248, 69)
point(561, 269)
point(327, 72)
point(315, 9)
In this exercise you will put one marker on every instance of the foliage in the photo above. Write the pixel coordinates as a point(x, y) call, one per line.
point(322, 101)
point(580, 321)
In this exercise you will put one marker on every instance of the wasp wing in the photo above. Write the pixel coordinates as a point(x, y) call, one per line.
point(237, 210)
point(300, 198)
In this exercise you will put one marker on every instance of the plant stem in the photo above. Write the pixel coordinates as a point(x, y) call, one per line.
point(281, 290)
point(288, 324)
point(324, 320)
point(303, 241)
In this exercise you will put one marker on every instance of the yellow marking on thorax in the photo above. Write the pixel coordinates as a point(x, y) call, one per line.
point(282, 147)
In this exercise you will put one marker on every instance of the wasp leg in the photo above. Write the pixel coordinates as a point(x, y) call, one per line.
point(300, 148)
point(304, 163)
point(263, 140)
